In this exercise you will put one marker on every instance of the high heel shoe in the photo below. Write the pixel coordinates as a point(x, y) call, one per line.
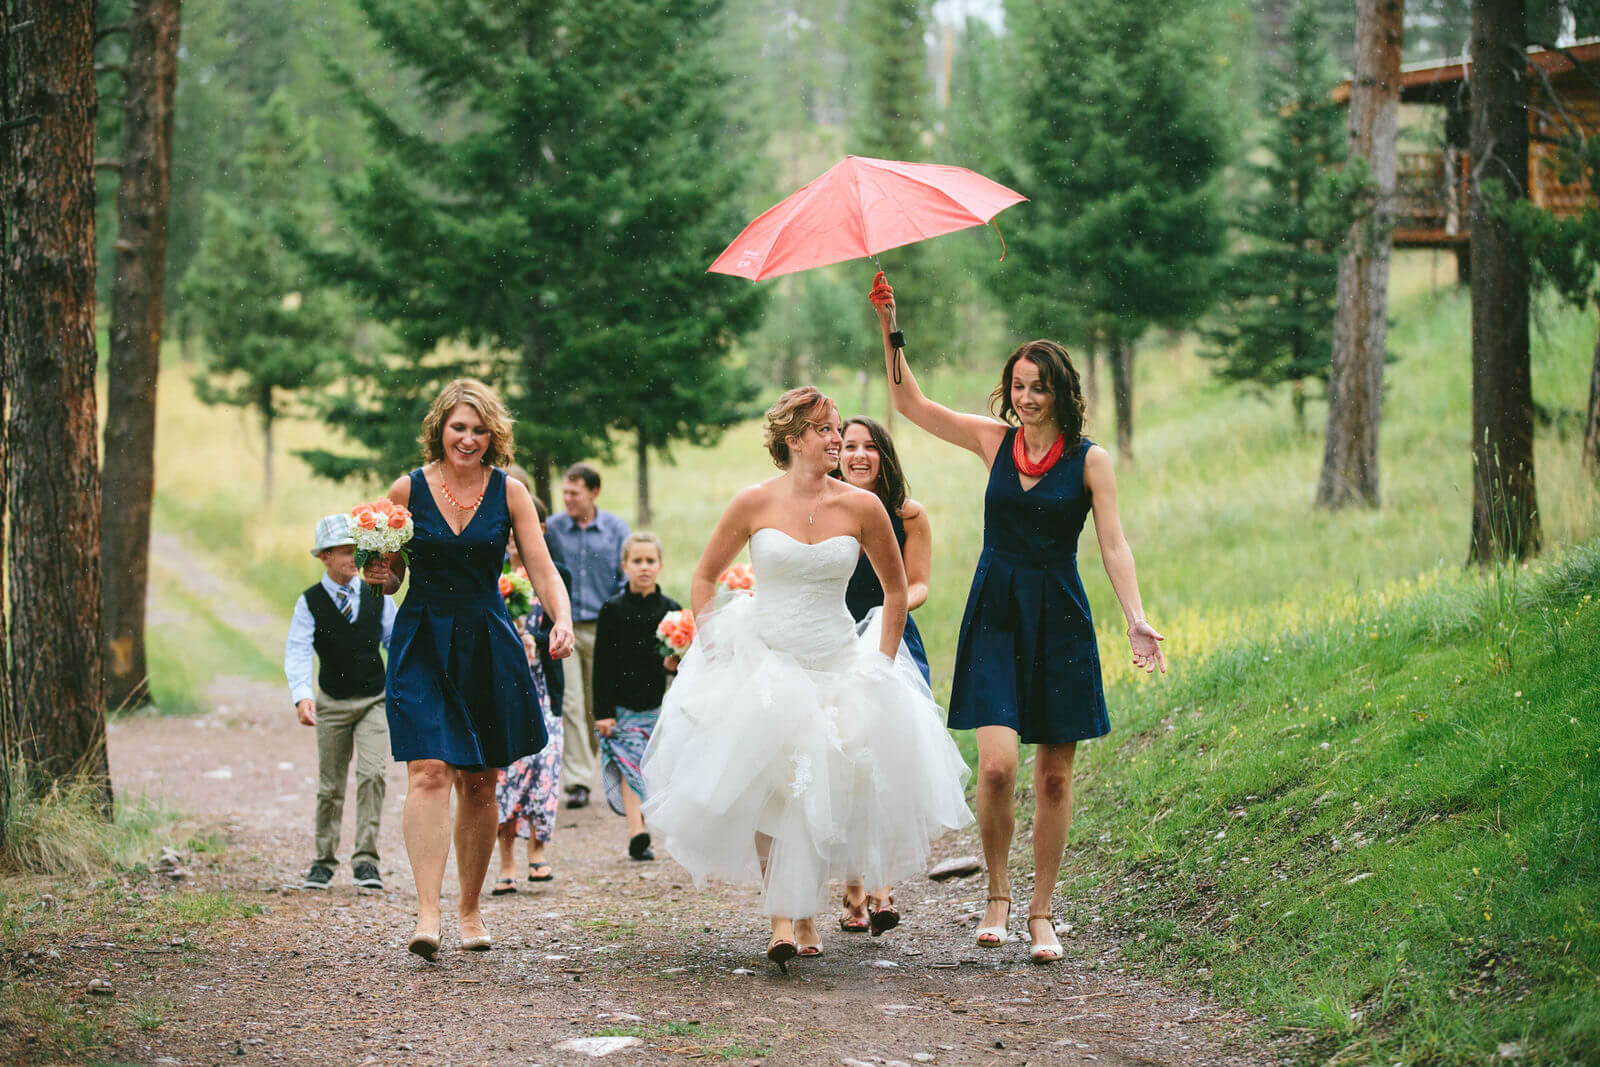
point(995, 936)
point(781, 950)
point(1043, 953)
point(885, 916)
point(424, 944)
point(851, 923)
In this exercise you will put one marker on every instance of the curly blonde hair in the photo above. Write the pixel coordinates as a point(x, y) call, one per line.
point(490, 408)
point(795, 412)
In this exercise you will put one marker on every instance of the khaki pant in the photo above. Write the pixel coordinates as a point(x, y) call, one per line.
point(359, 725)
point(580, 762)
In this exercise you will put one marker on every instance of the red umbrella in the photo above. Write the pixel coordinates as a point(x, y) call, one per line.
point(858, 208)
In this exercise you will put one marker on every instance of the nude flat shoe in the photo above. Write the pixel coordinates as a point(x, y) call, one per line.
point(424, 944)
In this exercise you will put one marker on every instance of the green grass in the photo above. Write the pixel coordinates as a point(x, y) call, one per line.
point(1383, 831)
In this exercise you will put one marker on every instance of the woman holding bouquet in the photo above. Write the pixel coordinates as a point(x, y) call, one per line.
point(1027, 665)
point(461, 699)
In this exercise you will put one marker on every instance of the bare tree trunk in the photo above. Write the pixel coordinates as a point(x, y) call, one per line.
point(128, 470)
point(1120, 353)
point(1591, 430)
point(645, 518)
point(1360, 324)
point(52, 472)
point(1091, 373)
point(1505, 508)
point(539, 472)
point(8, 731)
point(264, 406)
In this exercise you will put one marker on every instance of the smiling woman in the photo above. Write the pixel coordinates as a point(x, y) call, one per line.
point(461, 698)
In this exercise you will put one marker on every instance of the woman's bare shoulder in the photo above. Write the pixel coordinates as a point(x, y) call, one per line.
point(911, 511)
point(400, 491)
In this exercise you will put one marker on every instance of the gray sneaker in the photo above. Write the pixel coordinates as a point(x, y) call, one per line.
point(366, 876)
point(318, 877)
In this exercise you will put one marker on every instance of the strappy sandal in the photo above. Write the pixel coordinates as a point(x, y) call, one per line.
point(885, 916)
point(851, 923)
point(503, 886)
point(781, 950)
point(995, 936)
point(1044, 953)
point(548, 876)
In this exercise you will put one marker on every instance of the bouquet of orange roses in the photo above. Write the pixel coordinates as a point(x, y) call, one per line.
point(380, 528)
point(675, 633)
point(740, 576)
point(517, 591)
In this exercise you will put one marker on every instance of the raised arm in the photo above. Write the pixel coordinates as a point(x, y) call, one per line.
point(1118, 560)
point(918, 553)
point(547, 584)
point(731, 533)
point(978, 434)
point(883, 551)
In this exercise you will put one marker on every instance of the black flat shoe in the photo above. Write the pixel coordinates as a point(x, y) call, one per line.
point(578, 797)
point(639, 847)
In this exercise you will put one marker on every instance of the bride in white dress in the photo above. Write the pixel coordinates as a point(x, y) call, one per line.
point(792, 748)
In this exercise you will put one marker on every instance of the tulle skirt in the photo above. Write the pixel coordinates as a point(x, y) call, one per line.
point(833, 768)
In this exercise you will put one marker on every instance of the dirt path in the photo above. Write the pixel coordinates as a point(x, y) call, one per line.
point(610, 948)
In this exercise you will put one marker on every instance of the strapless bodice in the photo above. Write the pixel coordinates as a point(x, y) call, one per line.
point(799, 592)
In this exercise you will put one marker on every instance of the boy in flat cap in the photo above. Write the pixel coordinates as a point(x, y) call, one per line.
point(344, 622)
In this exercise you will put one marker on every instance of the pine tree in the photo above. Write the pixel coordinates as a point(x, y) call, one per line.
point(268, 329)
point(1121, 135)
point(562, 229)
point(1276, 322)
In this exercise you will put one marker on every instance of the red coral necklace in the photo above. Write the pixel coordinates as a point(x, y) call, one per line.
point(1019, 456)
point(445, 485)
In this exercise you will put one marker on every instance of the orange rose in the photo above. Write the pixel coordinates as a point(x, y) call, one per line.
point(397, 519)
point(506, 585)
point(364, 516)
point(383, 505)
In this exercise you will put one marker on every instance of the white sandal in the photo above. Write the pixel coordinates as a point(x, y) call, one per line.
point(1044, 953)
point(995, 936)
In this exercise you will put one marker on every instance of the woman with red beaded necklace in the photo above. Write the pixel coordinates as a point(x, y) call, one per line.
point(1027, 666)
point(460, 695)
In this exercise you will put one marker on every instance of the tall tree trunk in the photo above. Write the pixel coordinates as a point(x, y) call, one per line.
point(1091, 373)
point(1591, 429)
point(1360, 324)
point(1505, 511)
point(8, 732)
point(128, 469)
point(52, 472)
point(264, 406)
point(1120, 352)
point(644, 516)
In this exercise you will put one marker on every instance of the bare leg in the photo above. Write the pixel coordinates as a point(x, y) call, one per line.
point(1052, 785)
point(477, 817)
point(426, 824)
point(535, 852)
point(855, 905)
point(507, 838)
point(632, 809)
point(806, 936)
point(997, 784)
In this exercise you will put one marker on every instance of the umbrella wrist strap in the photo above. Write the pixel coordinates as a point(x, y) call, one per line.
point(897, 341)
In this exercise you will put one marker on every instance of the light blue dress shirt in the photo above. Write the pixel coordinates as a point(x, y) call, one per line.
point(297, 650)
point(593, 554)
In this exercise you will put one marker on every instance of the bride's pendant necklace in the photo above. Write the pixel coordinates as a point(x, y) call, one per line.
point(811, 518)
point(444, 483)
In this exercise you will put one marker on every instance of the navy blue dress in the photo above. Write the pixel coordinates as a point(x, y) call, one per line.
point(865, 592)
point(459, 686)
point(1027, 656)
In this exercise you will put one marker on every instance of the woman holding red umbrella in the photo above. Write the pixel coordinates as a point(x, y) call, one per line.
point(1027, 666)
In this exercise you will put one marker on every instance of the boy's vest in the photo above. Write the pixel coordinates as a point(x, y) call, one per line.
point(350, 665)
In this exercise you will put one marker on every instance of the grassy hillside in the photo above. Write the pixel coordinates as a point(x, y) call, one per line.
point(1382, 832)
point(1218, 506)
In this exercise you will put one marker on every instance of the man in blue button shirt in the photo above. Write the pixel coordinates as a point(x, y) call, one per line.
point(588, 542)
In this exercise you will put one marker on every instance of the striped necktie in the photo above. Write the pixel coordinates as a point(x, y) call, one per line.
point(347, 604)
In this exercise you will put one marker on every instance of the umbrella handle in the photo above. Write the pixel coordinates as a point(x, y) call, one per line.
point(897, 337)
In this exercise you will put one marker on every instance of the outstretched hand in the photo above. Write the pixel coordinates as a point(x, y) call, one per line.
point(1146, 646)
point(882, 297)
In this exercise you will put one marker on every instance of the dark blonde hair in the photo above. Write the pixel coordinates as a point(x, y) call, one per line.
point(490, 408)
point(643, 537)
point(1060, 377)
point(789, 417)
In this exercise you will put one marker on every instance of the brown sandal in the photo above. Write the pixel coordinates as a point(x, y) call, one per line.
point(885, 917)
point(850, 924)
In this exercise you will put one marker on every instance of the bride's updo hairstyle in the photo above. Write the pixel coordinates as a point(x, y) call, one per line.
point(490, 408)
point(795, 412)
point(1059, 376)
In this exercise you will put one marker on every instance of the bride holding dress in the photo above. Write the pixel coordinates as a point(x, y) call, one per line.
point(796, 746)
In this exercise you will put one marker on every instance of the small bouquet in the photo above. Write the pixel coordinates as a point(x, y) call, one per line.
point(675, 633)
point(740, 576)
point(518, 592)
point(380, 528)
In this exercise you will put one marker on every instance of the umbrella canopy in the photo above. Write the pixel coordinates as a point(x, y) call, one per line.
point(858, 208)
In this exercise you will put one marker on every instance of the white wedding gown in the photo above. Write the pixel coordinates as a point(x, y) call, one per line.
point(786, 721)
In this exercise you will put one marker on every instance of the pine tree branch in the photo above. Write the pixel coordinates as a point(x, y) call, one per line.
point(107, 31)
point(19, 123)
point(17, 27)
